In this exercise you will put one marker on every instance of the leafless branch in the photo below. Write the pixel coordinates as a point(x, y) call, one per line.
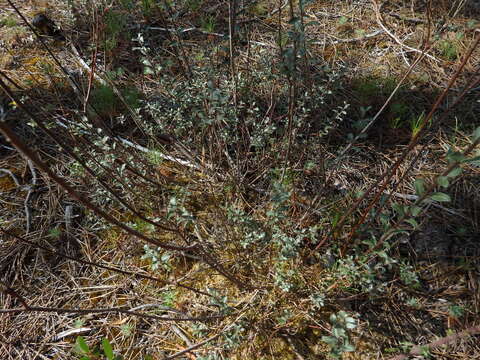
point(417, 350)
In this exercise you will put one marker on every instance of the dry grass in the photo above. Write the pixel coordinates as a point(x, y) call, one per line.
point(278, 324)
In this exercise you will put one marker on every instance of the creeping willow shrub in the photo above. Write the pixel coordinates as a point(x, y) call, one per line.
point(339, 339)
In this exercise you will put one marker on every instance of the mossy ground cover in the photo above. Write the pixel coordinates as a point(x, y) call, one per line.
point(249, 155)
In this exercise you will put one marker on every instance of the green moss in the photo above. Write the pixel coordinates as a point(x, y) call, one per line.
point(8, 22)
point(106, 102)
point(448, 50)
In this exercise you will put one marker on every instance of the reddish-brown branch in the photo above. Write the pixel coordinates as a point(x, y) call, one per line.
point(416, 138)
point(8, 290)
point(107, 310)
point(417, 349)
point(25, 150)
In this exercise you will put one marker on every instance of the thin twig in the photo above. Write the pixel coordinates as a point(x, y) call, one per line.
point(180, 333)
point(279, 8)
point(412, 197)
point(91, 70)
point(94, 63)
point(74, 85)
point(27, 308)
point(120, 310)
point(418, 350)
point(423, 198)
point(12, 175)
point(71, 332)
point(193, 347)
point(343, 41)
point(379, 112)
point(232, 8)
point(413, 142)
point(10, 291)
point(379, 21)
point(26, 151)
point(135, 274)
point(31, 188)
point(412, 20)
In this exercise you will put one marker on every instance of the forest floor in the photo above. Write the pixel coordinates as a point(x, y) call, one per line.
point(221, 195)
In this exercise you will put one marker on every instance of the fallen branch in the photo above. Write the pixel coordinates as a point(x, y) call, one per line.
point(71, 332)
point(403, 18)
point(418, 350)
point(343, 41)
point(193, 347)
point(122, 310)
point(134, 274)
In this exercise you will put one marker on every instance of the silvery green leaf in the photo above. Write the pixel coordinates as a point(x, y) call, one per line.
point(412, 222)
point(419, 186)
point(440, 197)
point(443, 181)
point(455, 172)
point(82, 345)
point(107, 349)
point(330, 340)
point(454, 156)
point(476, 134)
point(399, 209)
point(148, 70)
point(475, 161)
point(350, 323)
point(415, 210)
point(338, 332)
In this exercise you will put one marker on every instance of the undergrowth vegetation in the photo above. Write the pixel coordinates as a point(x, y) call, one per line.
point(223, 180)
